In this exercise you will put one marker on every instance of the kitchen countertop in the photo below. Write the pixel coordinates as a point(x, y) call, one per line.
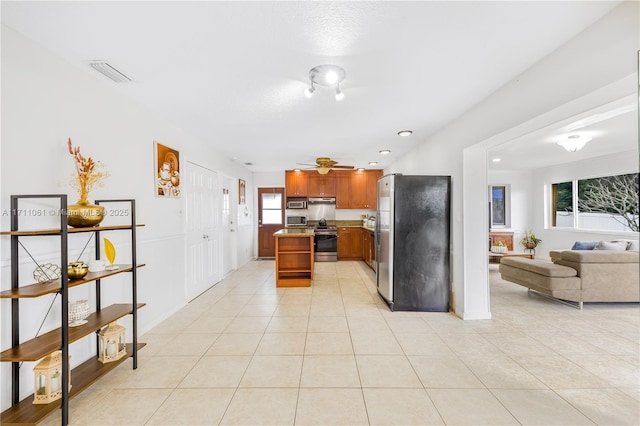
point(294, 232)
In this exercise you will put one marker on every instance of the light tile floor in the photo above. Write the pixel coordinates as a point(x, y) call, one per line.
point(246, 353)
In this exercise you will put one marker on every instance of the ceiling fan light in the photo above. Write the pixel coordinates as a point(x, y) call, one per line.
point(323, 170)
point(574, 143)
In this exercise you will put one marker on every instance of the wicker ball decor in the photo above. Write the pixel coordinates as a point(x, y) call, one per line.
point(46, 272)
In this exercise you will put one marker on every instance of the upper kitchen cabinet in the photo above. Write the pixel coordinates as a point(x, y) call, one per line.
point(343, 188)
point(296, 183)
point(321, 185)
point(364, 189)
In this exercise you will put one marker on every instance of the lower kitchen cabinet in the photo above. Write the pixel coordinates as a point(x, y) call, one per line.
point(368, 247)
point(349, 243)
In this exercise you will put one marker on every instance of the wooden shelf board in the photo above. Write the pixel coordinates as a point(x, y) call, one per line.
point(83, 376)
point(40, 289)
point(293, 282)
point(38, 347)
point(70, 230)
point(294, 270)
point(294, 252)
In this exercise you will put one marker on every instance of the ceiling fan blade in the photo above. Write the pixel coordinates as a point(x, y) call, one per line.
point(342, 167)
point(307, 164)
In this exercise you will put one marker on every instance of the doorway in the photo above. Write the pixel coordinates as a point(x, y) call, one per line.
point(203, 218)
point(270, 219)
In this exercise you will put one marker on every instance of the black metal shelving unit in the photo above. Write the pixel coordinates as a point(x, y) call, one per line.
point(24, 411)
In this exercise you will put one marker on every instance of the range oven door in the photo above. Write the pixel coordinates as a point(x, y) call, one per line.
point(326, 247)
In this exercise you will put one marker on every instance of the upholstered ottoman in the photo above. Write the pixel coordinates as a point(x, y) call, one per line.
point(558, 281)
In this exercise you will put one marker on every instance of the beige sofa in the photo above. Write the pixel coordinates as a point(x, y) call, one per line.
point(579, 275)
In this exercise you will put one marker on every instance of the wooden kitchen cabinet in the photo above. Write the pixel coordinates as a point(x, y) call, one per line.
point(321, 185)
point(296, 183)
point(364, 189)
point(368, 247)
point(349, 243)
point(294, 258)
point(357, 189)
point(343, 188)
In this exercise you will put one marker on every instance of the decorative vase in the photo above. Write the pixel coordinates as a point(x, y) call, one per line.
point(84, 215)
point(77, 270)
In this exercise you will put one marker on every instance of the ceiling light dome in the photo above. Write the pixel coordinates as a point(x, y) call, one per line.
point(573, 143)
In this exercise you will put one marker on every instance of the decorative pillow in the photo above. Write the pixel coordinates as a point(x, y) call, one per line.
point(618, 245)
point(631, 244)
point(584, 245)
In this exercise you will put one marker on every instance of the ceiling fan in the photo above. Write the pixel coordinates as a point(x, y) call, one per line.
point(325, 164)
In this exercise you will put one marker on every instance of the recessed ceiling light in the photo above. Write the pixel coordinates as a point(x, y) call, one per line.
point(384, 151)
point(405, 133)
point(360, 169)
point(373, 163)
point(496, 160)
point(296, 170)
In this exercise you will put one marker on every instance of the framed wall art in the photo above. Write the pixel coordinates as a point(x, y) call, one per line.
point(242, 192)
point(167, 171)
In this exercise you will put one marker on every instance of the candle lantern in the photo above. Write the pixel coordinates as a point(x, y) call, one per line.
point(111, 343)
point(47, 379)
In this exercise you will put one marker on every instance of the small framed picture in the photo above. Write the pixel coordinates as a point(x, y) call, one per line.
point(242, 192)
point(167, 171)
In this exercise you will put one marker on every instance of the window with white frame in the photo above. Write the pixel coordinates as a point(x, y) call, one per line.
point(606, 203)
point(500, 212)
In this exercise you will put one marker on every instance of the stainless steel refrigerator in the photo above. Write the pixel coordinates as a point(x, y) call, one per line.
point(412, 241)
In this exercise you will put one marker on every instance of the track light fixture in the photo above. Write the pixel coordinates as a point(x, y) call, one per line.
point(326, 75)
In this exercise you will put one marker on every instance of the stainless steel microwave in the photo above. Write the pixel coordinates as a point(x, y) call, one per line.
point(296, 204)
point(297, 220)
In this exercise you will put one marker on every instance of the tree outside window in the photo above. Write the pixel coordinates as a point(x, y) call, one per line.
point(604, 203)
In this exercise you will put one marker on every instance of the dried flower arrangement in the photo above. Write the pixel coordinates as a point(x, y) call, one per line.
point(89, 173)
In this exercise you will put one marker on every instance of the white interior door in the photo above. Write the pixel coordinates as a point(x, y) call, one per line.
point(203, 219)
point(229, 225)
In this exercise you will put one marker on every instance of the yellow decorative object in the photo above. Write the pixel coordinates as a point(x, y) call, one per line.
point(110, 252)
point(83, 214)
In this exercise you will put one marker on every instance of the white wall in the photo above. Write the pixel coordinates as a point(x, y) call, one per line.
point(45, 100)
point(602, 55)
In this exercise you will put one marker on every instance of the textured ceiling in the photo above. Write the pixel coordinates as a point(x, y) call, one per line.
point(233, 73)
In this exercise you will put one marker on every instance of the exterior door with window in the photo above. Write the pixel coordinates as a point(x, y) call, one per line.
point(270, 219)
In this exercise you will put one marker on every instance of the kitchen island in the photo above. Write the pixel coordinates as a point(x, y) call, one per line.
point(294, 257)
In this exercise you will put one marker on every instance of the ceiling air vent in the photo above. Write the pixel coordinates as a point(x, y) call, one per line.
point(109, 71)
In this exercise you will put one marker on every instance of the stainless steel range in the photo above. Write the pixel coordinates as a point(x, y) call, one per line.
point(326, 234)
point(325, 242)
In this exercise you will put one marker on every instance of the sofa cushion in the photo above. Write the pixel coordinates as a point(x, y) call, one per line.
point(584, 245)
point(541, 267)
point(614, 245)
